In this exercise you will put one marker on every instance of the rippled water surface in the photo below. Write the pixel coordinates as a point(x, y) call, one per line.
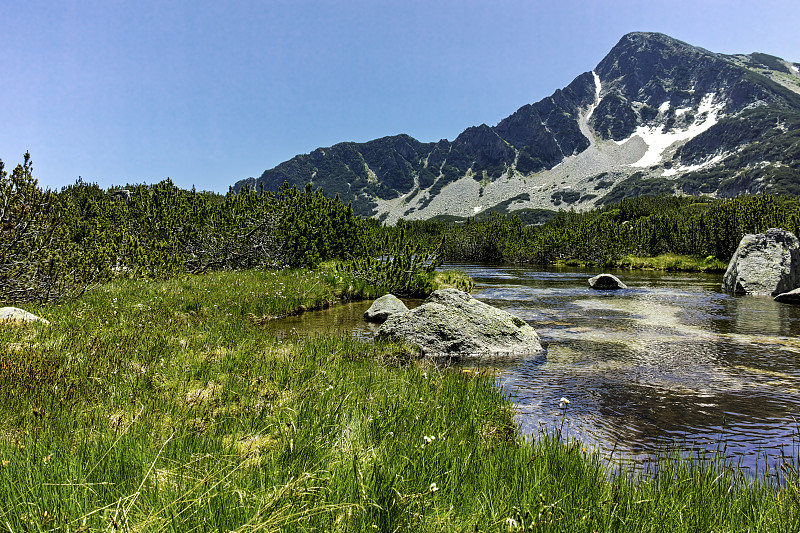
point(672, 358)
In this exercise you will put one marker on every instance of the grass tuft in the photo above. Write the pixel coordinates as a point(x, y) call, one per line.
point(455, 279)
point(123, 416)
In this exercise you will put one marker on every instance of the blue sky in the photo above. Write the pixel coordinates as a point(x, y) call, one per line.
point(208, 93)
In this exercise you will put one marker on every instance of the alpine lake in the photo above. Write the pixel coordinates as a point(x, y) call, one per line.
point(672, 360)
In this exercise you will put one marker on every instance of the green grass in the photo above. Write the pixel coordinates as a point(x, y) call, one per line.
point(673, 262)
point(456, 279)
point(668, 262)
point(164, 406)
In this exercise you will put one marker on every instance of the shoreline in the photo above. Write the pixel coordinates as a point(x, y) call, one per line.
point(166, 394)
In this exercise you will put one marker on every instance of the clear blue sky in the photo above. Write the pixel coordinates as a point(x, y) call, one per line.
point(208, 93)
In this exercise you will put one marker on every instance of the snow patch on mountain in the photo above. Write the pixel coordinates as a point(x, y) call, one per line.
point(691, 168)
point(466, 197)
point(658, 139)
point(597, 87)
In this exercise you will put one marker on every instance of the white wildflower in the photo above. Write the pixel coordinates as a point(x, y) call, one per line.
point(434, 488)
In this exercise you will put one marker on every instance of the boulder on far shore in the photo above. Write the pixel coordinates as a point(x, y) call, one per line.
point(606, 282)
point(15, 314)
point(764, 263)
point(453, 325)
point(383, 308)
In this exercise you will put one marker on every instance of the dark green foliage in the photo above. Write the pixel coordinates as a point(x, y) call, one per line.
point(426, 178)
point(53, 245)
point(45, 253)
point(768, 61)
point(503, 207)
point(568, 197)
point(404, 267)
point(447, 218)
point(643, 227)
point(636, 185)
point(535, 216)
point(492, 239)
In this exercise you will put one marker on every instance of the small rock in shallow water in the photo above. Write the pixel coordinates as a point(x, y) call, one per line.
point(383, 308)
point(791, 297)
point(606, 282)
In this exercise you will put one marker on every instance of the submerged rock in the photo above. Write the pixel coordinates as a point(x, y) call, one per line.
point(606, 282)
point(764, 263)
point(454, 325)
point(791, 297)
point(15, 314)
point(383, 308)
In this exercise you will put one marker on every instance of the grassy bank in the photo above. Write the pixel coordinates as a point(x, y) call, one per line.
point(163, 406)
point(667, 262)
point(673, 262)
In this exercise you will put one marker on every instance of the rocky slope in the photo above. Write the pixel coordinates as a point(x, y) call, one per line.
point(656, 115)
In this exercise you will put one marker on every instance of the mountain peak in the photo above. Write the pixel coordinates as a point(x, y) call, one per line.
point(656, 115)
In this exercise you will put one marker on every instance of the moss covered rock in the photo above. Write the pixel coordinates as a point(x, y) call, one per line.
point(452, 324)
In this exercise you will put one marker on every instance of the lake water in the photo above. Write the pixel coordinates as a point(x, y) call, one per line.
point(671, 359)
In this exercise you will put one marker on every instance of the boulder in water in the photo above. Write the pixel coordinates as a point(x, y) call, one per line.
point(606, 282)
point(453, 325)
point(764, 263)
point(384, 307)
point(791, 297)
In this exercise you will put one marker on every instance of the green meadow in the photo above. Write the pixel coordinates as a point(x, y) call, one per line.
point(152, 405)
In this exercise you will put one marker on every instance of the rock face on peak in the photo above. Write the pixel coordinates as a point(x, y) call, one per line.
point(656, 115)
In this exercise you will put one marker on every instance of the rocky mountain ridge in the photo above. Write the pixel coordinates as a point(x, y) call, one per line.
point(656, 115)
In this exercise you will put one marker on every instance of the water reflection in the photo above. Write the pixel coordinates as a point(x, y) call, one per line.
point(336, 319)
point(671, 359)
point(342, 317)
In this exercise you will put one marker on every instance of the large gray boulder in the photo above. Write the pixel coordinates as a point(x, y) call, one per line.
point(606, 282)
point(384, 307)
point(454, 325)
point(15, 314)
point(764, 263)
